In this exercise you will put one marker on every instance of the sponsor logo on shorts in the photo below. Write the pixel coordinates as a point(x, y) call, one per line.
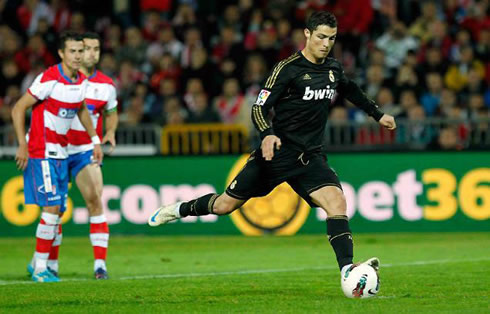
point(262, 98)
point(232, 185)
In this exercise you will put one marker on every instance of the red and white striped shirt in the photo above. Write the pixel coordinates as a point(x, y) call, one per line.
point(59, 101)
point(100, 97)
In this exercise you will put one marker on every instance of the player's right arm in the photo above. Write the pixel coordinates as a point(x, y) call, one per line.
point(271, 91)
point(18, 118)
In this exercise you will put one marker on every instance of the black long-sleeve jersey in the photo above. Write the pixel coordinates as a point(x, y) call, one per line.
point(300, 93)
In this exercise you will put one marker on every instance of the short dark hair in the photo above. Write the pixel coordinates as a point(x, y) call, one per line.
point(66, 36)
point(320, 18)
point(91, 35)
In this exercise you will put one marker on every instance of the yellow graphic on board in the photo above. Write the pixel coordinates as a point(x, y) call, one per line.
point(282, 212)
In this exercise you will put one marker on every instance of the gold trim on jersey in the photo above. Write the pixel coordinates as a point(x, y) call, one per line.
point(272, 78)
point(259, 118)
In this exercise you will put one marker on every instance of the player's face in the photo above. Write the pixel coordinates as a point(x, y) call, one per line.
point(72, 54)
point(320, 41)
point(91, 53)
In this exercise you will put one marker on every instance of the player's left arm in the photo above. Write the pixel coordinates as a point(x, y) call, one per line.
point(84, 116)
point(354, 94)
point(111, 120)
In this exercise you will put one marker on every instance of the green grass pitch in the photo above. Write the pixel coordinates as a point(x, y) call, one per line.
point(420, 273)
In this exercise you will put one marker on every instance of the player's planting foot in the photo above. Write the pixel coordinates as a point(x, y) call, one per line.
point(44, 276)
point(164, 214)
point(30, 270)
point(101, 274)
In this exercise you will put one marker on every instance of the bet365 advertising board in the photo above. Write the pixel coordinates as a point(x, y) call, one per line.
point(385, 193)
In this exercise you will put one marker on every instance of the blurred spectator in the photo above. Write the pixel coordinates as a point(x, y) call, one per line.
point(141, 90)
point(431, 98)
point(36, 68)
point(421, 27)
point(184, 19)
point(194, 86)
point(374, 80)
point(30, 12)
point(438, 38)
point(77, 22)
point(192, 41)
point(475, 105)
point(230, 104)
point(12, 94)
point(253, 29)
point(231, 18)
point(339, 130)
point(417, 132)
point(166, 90)
point(113, 37)
point(448, 139)
point(266, 46)
point(133, 115)
point(228, 46)
point(457, 75)
point(168, 69)
point(463, 39)
point(480, 132)
point(433, 62)
point(354, 18)
point(48, 34)
point(406, 78)
point(128, 74)
point(134, 48)
point(386, 102)
point(108, 64)
point(200, 67)
point(482, 47)
point(477, 18)
point(151, 25)
point(173, 112)
point(408, 100)
point(10, 75)
point(165, 43)
point(254, 74)
point(447, 103)
point(203, 112)
point(396, 43)
point(35, 51)
point(61, 15)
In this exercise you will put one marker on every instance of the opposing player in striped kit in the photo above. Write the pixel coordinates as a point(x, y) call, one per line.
point(56, 97)
point(101, 101)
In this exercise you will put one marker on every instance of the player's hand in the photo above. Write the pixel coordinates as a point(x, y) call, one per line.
point(388, 122)
point(98, 154)
point(268, 144)
point(21, 157)
point(110, 138)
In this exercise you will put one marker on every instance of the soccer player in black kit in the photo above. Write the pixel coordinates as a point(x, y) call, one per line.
point(300, 90)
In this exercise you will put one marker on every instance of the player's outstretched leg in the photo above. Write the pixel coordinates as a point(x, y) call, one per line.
point(218, 204)
point(197, 207)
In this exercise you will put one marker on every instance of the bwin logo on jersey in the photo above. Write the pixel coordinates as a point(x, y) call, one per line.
point(318, 93)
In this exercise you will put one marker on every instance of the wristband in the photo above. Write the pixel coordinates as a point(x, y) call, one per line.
point(95, 140)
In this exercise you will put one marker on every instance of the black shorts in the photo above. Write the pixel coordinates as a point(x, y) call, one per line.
point(305, 173)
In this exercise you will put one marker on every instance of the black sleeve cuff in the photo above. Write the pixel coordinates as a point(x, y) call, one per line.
point(376, 114)
point(266, 132)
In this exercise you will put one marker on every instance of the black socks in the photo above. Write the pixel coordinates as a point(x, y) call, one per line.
point(340, 238)
point(198, 207)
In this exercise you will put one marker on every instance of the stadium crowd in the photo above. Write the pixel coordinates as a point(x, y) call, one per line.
point(200, 61)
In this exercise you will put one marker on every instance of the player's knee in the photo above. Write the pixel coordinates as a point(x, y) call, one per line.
point(94, 202)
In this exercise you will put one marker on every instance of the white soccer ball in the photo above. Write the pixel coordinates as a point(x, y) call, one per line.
point(361, 281)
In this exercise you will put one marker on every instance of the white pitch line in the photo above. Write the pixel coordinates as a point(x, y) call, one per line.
point(253, 271)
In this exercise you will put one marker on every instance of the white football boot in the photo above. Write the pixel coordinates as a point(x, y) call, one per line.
point(165, 214)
